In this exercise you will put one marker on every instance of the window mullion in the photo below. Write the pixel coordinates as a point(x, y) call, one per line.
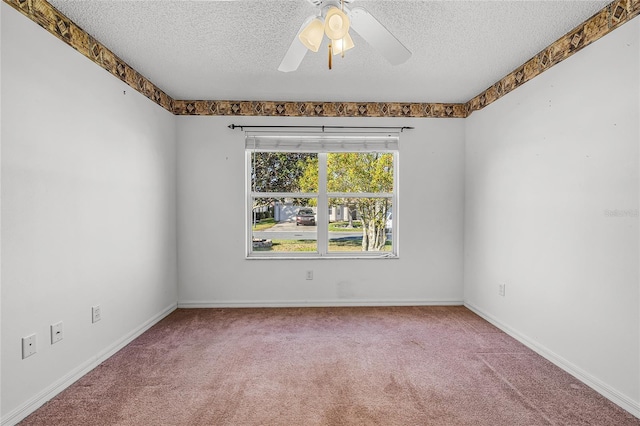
point(249, 168)
point(323, 203)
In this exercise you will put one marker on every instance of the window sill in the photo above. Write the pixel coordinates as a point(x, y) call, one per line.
point(316, 256)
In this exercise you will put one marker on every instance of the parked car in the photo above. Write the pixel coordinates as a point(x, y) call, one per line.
point(305, 216)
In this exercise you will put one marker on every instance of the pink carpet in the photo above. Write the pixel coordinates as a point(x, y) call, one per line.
point(328, 366)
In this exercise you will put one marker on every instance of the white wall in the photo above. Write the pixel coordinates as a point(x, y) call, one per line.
point(89, 216)
point(552, 212)
point(88, 212)
point(213, 270)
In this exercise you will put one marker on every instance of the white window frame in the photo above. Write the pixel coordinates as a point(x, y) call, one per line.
point(321, 144)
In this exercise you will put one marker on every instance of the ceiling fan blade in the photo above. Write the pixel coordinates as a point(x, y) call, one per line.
point(378, 36)
point(296, 52)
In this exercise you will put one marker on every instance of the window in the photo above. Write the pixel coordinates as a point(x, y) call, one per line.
point(321, 195)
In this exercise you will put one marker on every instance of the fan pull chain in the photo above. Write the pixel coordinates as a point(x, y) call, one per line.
point(330, 55)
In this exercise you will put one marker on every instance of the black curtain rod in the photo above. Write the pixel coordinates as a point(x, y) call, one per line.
point(242, 127)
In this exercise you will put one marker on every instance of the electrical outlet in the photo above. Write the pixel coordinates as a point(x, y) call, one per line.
point(56, 332)
point(28, 346)
point(95, 314)
point(309, 275)
point(501, 289)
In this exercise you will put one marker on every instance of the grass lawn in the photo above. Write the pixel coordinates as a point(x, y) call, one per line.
point(264, 224)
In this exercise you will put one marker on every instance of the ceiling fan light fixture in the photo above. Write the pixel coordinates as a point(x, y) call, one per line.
point(311, 35)
point(342, 45)
point(336, 24)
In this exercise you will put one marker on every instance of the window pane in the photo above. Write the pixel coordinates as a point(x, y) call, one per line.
point(360, 172)
point(360, 224)
point(284, 225)
point(352, 195)
point(284, 172)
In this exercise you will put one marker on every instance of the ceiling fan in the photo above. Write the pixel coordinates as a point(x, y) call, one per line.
point(335, 21)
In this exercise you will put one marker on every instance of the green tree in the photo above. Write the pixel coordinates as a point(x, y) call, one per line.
point(358, 172)
point(364, 172)
point(278, 172)
point(308, 181)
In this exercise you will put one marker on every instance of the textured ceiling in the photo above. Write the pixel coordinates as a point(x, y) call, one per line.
point(232, 49)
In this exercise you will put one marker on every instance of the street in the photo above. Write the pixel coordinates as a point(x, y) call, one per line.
point(289, 231)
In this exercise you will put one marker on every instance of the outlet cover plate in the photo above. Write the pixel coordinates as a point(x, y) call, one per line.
point(28, 346)
point(95, 314)
point(56, 332)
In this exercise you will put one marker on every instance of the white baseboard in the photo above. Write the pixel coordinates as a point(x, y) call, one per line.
point(605, 390)
point(37, 401)
point(313, 303)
